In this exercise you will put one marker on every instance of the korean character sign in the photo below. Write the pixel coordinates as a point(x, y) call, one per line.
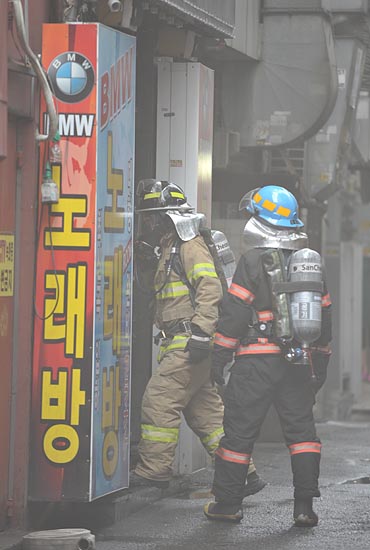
point(82, 334)
point(115, 162)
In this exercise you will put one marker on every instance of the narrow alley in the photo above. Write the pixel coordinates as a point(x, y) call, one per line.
point(177, 521)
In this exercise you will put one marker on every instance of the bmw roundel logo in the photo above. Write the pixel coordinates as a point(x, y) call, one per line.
point(72, 77)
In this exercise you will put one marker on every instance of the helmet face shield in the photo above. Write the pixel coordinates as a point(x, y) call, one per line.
point(148, 222)
point(246, 202)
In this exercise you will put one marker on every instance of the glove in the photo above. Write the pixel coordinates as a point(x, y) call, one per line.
point(146, 254)
point(220, 358)
point(217, 374)
point(198, 345)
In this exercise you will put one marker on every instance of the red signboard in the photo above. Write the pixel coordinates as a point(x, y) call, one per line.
point(65, 277)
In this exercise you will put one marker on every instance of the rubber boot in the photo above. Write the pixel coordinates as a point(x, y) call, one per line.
point(254, 485)
point(303, 514)
point(139, 481)
point(221, 511)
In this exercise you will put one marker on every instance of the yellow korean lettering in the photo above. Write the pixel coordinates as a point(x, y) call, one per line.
point(54, 395)
point(110, 454)
point(113, 279)
point(54, 325)
point(112, 397)
point(61, 443)
point(117, 397)
point(76, 310)
point(67, 236)
point(112, 400)
point(107, 398)
point(108, 298)
point(117, 300)
point(78, 397)
point(113, 215)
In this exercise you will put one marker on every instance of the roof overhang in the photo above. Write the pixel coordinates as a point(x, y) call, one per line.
point(214, 17)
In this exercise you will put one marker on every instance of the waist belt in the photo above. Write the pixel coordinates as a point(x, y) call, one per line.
point(177, 328)
point(260, 327)
point(255, 333)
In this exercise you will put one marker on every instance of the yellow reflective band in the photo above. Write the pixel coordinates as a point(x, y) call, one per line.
point(177, 342)
point(152, 196)
point(161, 435)
point(202, 270)
point(212, 440)
point(171, 290)
point(269, 205)
point(257, 197)
point(177, 195)
point(282, 211)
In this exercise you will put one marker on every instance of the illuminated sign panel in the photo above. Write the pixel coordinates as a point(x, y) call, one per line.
point(82, 336)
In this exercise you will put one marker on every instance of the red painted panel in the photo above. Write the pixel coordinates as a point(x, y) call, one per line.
point(3, 78)
point(26, 201)
point(62, 358)
point(18, 212)
point(7, 225)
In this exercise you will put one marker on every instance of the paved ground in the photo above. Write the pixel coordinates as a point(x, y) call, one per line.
point(177, 523)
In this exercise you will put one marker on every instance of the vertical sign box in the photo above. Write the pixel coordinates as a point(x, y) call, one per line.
point(82, 335)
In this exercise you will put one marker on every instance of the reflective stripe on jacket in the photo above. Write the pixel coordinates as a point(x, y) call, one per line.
point(173, 301)
point(249, 294)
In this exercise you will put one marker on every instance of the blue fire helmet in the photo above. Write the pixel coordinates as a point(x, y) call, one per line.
point(272, 204)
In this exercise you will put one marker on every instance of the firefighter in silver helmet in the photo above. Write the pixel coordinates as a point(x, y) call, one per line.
point(187, 294)
point(277, 359)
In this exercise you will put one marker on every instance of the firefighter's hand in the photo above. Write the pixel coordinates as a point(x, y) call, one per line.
point(217, 374)
point(198, 345)
point(146, 254)
point(220, 358)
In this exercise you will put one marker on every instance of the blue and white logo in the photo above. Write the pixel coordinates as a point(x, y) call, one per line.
point(72, 77)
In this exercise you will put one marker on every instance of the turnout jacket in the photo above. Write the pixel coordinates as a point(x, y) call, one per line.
point(249, 300)
point(173, 302)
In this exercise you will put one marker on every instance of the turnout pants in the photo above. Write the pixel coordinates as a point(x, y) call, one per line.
point(176, 387)
point(256, 382)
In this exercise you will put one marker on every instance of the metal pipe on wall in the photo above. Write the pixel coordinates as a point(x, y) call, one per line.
point(36, 65)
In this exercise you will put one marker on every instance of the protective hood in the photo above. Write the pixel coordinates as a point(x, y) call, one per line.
point(260, 235)
point(186, 223)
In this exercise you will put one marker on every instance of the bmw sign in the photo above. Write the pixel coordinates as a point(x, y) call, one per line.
point(72, 77)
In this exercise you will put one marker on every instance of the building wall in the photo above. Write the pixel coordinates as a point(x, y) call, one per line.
point(18, 216)
point(145, 153)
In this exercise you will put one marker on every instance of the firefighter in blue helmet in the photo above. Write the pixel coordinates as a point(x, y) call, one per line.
point(277, 360)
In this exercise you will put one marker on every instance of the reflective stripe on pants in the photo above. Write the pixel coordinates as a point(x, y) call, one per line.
point(255, 383)
point(176, 387)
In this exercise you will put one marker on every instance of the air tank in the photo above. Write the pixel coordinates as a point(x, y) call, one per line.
point(225, 254)
point(305, 266)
